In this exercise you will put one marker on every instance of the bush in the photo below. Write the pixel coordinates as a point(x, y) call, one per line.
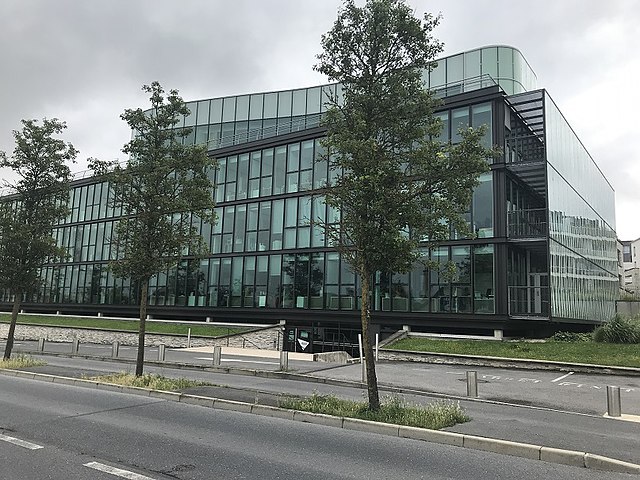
point(571, 337)
point(618, 330)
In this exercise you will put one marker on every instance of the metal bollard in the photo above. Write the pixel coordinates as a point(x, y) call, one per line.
point(613, 401)
point(284, 360)
point(75, 346)
point(115, 349)
point(161, 352)
point(217, 355)
point(41, 344)
point(472, 384)
point(189, 339)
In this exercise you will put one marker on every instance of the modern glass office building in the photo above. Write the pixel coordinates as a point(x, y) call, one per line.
point(543, 254)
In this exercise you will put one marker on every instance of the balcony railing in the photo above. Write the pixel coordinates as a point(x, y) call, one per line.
point(527, 301)
point(530, 223)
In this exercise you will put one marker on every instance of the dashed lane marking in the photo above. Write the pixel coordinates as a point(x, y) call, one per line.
point(118, 472)
point(561, 378)
point(20, 443)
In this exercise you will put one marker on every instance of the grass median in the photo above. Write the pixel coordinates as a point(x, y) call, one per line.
point(437, 415)
point(124, 325)
point(152, 381)
point(20, 361)
point(610, 354)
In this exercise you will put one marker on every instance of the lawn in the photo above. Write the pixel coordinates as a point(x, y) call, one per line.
point(574, 352)
point(197, 329)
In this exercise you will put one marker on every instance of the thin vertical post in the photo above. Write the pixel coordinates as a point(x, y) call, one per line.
point(613, 401)
point(75, 346)
point(41, 344)
point(284, 360)
point(377, 345)
point(161, 352)
point(472, 384)
point(115, 349)
point(363, 373)
point(217, 355)
point(189, 338)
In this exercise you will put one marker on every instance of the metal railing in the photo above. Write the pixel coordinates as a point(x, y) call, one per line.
point(529, 223)
point(529, 301)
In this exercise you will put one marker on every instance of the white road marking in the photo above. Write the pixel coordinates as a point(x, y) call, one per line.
point(118, 472)
point(562, 377)
point(241, 361)
point(20, 443)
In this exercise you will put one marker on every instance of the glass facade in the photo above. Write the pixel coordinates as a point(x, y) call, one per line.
point(538, 227)
point(582, 237)
point(504, 64)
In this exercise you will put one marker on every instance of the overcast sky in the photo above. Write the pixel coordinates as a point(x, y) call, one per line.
point(84, 62)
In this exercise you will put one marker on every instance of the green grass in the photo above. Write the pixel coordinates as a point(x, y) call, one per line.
point(437, 415)
point(125, 325)
point(573, 352)
point(21, 361)
point(155, 382)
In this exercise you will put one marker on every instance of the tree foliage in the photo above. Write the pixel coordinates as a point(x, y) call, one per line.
point(163, 191)
point(397, 185)
point(37, 201)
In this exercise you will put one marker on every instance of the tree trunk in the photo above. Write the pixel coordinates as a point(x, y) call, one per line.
point(365, 316)
point(12, 325)
point(144, 293)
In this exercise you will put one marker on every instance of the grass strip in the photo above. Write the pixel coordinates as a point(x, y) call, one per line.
point(573, 352)
point(152, 381)
point(124, 325)
point(437, 415)
point(21, 361)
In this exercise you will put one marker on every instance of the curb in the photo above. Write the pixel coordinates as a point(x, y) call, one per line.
point(504, 447)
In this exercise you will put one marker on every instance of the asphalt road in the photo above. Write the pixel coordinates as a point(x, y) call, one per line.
point(79, 430)
point(565, 391)
point(590, 433)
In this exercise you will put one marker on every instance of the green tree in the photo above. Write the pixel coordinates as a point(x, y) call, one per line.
point(38, 200)
point(164, 190)
point(396, 183)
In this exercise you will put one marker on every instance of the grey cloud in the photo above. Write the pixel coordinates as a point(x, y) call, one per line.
point(84, 61)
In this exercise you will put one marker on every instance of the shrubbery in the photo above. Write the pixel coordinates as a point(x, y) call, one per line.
point(618, 330)
point(571, 337)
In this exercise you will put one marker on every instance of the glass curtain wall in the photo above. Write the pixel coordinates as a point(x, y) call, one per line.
point(583, 252)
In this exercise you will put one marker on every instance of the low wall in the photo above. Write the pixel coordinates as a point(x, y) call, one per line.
point(268, 338)
point(628, 308)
